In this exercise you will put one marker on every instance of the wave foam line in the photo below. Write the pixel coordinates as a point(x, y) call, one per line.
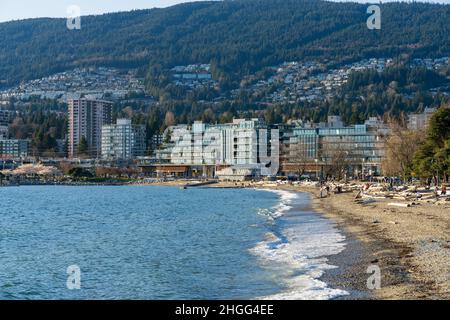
point(298, 255)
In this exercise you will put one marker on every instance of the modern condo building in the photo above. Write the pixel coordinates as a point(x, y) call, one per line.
point(327, 147)
point(123, 141)
point(207, 148)
point(251, 148)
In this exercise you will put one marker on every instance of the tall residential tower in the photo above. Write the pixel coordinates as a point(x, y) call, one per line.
point(86, 118)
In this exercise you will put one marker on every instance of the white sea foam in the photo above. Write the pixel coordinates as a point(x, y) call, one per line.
point(297, 254)
point(285, 204)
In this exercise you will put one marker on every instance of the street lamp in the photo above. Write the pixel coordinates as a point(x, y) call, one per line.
point(317, 170)
point(362, 168)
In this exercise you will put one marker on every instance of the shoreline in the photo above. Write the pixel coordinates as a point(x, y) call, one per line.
point(396, 243)
point(349, 274)
point(411, 245)
point(372, 251)
point(345, 261)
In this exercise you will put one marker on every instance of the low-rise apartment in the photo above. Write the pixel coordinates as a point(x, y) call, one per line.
point(242, 143)
point(318, 148)
point(14, 148)
point(122, 141)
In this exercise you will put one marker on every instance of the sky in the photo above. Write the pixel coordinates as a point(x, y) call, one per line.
point(22, 9)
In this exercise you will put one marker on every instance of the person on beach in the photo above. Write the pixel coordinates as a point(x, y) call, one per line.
point(436, 190)
point(443, 189)
point(324, 190)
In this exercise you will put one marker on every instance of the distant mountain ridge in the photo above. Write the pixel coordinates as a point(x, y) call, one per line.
point(237, 37)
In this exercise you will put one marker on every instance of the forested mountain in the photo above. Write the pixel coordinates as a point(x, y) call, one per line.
point(236, 37)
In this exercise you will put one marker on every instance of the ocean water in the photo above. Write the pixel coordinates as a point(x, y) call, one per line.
point(163, 243)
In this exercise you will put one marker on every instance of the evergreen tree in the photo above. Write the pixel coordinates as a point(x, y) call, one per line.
point(83, 148)
point(433, 156)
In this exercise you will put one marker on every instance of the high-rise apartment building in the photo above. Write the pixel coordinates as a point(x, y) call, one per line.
point(122, 141)
point(86, 118)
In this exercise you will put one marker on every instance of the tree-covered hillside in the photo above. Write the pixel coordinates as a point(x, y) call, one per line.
point(237, 37)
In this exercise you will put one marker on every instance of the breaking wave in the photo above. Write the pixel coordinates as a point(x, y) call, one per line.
point(297, 249)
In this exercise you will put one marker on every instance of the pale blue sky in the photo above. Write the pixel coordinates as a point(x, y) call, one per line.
point(21, 9)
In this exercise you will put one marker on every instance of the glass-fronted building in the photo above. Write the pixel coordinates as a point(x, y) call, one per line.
point(316, 148)
point(123, 141)
point(245, 143)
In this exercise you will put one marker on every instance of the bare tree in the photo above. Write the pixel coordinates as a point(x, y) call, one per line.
point(338, 155)
point(339, 161)
point(302, 158)
point(65, 167)
point(400, 146)
point(103, 171)
point(169, 119)
point(296, 156)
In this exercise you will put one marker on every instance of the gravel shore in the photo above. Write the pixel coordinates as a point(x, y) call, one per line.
point(410, 245)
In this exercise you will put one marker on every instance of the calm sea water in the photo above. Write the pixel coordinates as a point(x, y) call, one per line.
point(162, 243)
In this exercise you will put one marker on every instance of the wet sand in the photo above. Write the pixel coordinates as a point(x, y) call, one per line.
point(350, 274)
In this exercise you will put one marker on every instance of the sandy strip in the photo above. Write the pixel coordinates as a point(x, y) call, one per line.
point(410, 245)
